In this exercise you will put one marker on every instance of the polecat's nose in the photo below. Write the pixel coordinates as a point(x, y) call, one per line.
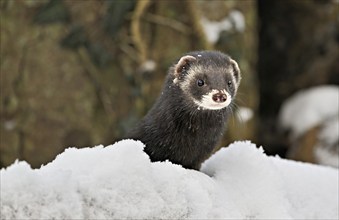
point(219, 97)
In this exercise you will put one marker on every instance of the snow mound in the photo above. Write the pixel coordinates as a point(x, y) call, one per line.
point(119, 182)
point(309, 108)
point(315, 107)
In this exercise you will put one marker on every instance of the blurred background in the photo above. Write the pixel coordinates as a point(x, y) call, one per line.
point(82, 73)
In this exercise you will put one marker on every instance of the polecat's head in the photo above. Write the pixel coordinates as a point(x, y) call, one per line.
point(209, 78)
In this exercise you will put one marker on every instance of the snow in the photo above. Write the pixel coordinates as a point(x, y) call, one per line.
point(244, 114)
point(327, 147)
point(238, 19)
point(213, 29)
point(148, 66)
point(309, 108)
point(330, 131)
point(119, 182)
point(315, 107)
point(234, 21)
point(324, 156)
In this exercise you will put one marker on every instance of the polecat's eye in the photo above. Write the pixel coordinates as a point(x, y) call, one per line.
point(200, 82)
point(229, 83)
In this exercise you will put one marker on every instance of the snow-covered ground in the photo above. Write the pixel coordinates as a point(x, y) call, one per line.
point(119, 181)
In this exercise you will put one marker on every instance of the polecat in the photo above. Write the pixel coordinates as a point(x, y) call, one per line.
point(190, 116)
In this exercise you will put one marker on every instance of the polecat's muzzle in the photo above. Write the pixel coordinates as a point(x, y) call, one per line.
point(219, 97)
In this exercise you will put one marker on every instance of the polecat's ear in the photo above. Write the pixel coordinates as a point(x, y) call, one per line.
point(236, 71)
point(183, 64)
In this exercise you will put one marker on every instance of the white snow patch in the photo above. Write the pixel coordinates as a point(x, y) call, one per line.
point(119, 182)
point(148, 66)
point(329, 133)
point(245, 114)
point(326, 156)
point(238, 19)
point(235, 20)
point(309, 108)
point(213, 29)
point(318, 106)
point(326, 151)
